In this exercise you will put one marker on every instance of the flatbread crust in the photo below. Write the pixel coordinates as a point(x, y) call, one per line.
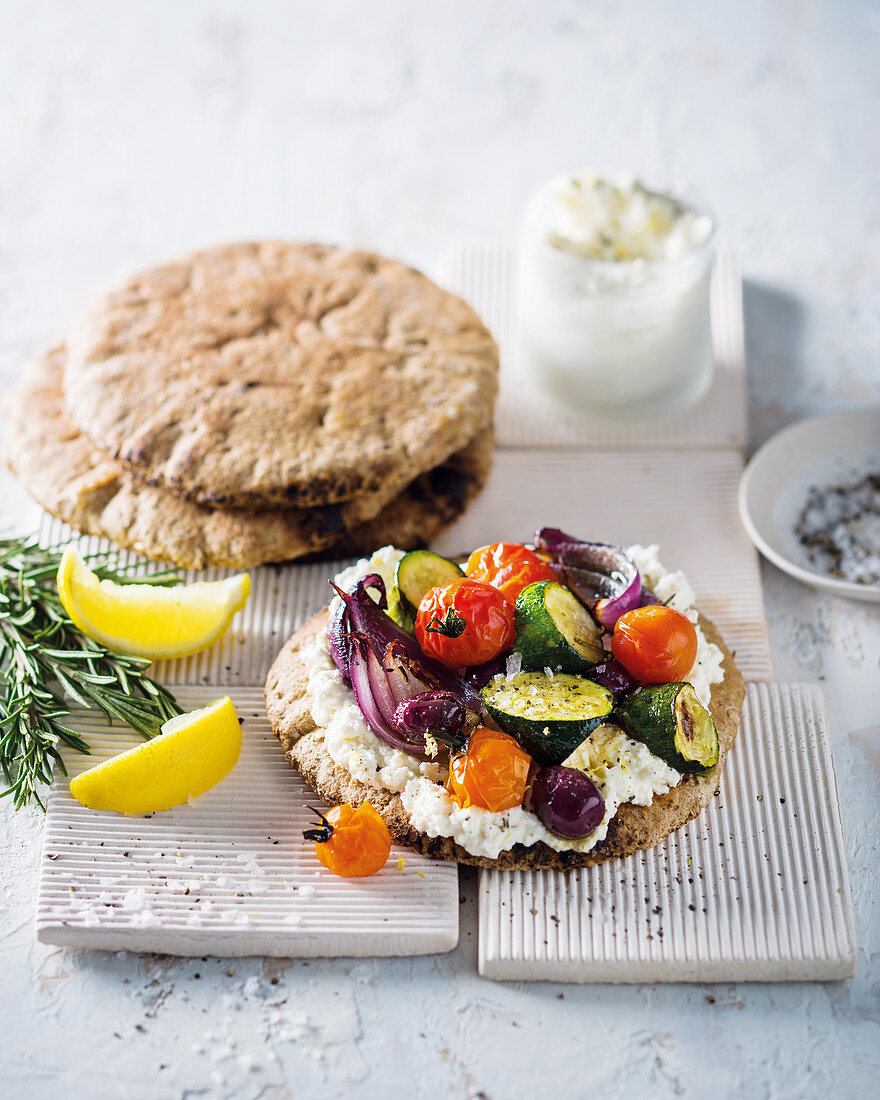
point(280, 373)
point(76, 481)
point(632, 829)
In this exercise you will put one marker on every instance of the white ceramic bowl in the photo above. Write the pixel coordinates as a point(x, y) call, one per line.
point(835, 449)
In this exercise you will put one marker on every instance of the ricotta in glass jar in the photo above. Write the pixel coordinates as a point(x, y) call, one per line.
point(614, 296)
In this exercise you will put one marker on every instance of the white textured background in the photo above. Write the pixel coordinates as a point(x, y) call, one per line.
point(132, 131)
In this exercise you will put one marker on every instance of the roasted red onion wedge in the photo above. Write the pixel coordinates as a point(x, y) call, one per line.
point(389, 672)
point(366, 617)
point(338, 630)
point(603, 577)
point(376, 699)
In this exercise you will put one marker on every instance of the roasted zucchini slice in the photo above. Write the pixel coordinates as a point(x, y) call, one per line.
point(414, 576)
point(673, 723)
point(549, 715)
point(554, 630)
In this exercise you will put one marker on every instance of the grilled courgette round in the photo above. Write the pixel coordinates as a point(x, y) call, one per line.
point(673, 723)
point(549, 715)
point(554, 630)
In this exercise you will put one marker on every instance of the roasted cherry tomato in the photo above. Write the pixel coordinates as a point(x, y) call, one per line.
point(466, 622)
point(352, 842)
point(509, 567)
point(492, 774)
point(656, 644)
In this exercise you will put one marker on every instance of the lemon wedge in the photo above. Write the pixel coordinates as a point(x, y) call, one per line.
point(146, 621)
point(190, 755)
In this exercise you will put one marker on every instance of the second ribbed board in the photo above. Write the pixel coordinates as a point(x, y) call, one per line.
point(755, 889)
point(683, 500)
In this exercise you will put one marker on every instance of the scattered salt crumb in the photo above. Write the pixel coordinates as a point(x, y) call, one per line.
point(241, 918)
point(306, 891)
point(251, 987)
point(514, 665)
point(293, 918)
point(247, 1063)
point(194, 921)
point(135, 899)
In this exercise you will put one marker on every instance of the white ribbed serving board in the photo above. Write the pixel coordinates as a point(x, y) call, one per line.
point(755, 889)
point(230, 874)
point(684, 502)
point(485, 276)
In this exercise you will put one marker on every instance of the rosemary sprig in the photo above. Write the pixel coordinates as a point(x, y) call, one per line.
point(46, 661)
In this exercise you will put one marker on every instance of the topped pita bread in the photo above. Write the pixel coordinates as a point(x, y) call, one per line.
point(632, 828)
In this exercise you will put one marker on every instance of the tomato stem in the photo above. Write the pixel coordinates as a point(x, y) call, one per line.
point(451, 626)
point(321, 835)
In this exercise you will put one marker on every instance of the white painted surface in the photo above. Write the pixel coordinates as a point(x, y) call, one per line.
point(130, 133)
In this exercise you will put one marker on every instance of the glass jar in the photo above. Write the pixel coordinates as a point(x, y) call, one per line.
point(621, 339)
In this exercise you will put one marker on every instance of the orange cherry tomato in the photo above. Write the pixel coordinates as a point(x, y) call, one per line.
point(656, 644)
point(351, 841)
point(492, 774)
point(465, 622)
point(509, 567)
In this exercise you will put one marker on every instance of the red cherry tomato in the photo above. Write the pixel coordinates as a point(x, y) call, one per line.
point(509, 567)
point(492, 774)
point(465, 622)
point(656, 644)
point(351, 842)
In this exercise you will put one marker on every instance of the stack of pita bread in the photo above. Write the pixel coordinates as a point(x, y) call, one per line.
point(258, 403)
